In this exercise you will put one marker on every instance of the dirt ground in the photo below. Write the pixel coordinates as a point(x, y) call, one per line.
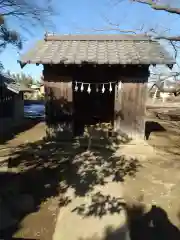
point(40, 223)
point(156, 182)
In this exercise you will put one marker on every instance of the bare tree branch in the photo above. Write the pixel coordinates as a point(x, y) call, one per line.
point(112, 27)
point(156, 6)
point(171, 38)
point(27, 10)
point(118, 26)
point(175, 49)
point(161, 88)
point(107, 29)
point(159, 84)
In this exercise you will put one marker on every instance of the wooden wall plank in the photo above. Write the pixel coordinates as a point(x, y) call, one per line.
point(117, 107)
point(133, 101)
point(59, 106)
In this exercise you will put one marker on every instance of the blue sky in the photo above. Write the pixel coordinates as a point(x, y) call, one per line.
point(81, 16)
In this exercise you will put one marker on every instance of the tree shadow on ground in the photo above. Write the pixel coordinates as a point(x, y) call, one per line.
point(100, 205)
point(152, 126)
point(10, 134)
point(48, 169)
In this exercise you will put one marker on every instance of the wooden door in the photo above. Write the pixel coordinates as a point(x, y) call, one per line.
point(130, 109)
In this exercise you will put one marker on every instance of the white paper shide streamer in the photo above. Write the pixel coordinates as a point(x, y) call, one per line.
point(110, 88)
point(103, 89)
point(82, 87)
point(89, 89)
point(76, 87)
point(98, 86)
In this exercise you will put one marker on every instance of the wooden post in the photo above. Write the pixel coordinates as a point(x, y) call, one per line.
point(117, 107)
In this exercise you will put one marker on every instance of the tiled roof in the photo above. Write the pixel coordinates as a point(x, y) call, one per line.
point(11, 84)
point(97, 49)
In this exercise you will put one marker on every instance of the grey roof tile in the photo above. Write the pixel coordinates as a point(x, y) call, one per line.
point(98, 49)
point(11, 84)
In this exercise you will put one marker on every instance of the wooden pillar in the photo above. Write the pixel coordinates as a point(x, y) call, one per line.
point(117, 107)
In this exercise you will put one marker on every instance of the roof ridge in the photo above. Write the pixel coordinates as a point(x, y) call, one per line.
point(97, 37)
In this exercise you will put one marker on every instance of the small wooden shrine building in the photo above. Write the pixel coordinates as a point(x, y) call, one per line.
point(11, 104)
point(96, 78)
